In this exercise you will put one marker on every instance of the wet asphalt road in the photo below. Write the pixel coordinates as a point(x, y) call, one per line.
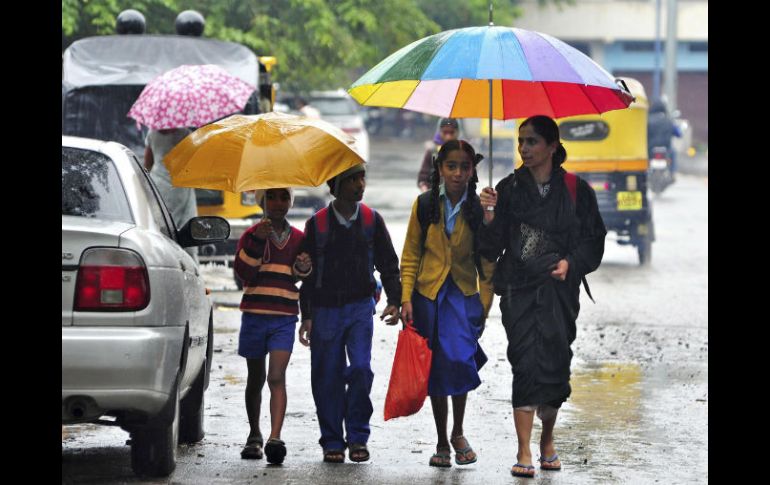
point(638, 412)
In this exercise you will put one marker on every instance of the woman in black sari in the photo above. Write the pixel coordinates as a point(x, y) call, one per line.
point(547, 227)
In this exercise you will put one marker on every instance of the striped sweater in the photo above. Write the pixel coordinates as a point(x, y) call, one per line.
point(268, 273)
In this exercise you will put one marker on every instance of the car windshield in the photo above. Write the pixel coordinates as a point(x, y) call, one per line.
point(334, 106)
point(90, 186)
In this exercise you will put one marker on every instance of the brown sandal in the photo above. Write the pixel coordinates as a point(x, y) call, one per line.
point(358, 452)
point(334, 456)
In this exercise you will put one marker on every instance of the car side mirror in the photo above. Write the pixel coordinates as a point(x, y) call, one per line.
point(203, 230)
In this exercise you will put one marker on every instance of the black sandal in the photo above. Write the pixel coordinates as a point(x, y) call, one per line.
point(253, 449)
point(360, 450)
point(275, 451)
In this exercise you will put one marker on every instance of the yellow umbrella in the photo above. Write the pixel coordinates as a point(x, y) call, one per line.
point(241, 152)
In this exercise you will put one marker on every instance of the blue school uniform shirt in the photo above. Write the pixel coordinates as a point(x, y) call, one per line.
point(450, 213)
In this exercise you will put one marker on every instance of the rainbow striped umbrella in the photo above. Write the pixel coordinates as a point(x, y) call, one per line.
point(493, 71)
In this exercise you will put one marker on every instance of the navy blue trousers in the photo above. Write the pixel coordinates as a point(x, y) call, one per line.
point(341, 387)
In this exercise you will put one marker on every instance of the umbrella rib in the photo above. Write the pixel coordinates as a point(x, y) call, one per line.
point(583, 89)
point(550, 103)
point(454, 101)
point(373, 92)
point(448, 35)
point(300, 155)
point(241, 168)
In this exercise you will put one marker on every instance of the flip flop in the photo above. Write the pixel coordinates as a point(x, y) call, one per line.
point(463, 451)
point(546, 463)
point(252, 450)
point(275, 451)
point(441, 458)
point(530, 473)
point(360, 450)
point(334, 456)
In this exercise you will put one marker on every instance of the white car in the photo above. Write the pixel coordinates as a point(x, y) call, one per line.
point(341, 110)
point(137, 324)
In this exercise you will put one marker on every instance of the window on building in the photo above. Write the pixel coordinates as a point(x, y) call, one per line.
point(699, 46)
point(583, 47)
point(639, 46)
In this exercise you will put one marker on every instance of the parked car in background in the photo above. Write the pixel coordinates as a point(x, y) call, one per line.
point(336, 107)
point(339, 109)
point(137, 324)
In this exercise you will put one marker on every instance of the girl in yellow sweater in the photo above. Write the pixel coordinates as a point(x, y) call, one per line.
point(441, 274)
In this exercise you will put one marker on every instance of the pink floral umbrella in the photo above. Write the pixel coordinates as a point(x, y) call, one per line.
point(190, 95)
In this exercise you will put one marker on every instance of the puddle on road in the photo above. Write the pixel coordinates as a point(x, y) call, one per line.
point(234, 380)
point(621, 420)
point(607, 395)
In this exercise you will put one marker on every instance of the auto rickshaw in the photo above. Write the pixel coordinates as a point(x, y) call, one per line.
point(504, 133)
point(609, 151)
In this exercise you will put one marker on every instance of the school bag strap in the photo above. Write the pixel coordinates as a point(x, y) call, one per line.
point(423, 216)
point(321, 225)
point(570, 180)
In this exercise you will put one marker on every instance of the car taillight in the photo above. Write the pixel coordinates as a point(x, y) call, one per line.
point(111, 280)
point(352, 130)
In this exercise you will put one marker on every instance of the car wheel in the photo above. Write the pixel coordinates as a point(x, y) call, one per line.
point(153, 447)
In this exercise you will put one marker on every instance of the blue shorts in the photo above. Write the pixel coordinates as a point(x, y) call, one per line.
point(261, 334)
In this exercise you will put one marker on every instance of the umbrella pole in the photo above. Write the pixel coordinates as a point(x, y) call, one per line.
point(491, 23)
point(490, 133)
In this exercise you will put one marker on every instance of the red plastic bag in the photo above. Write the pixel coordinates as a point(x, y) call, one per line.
point(408, 385)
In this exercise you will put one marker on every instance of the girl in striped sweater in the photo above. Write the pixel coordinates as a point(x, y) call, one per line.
point(269, 263)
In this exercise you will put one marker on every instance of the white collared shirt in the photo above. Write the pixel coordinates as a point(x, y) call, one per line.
point(341, 219)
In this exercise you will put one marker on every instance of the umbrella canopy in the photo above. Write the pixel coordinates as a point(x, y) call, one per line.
point(190, 95)
point(273, 149)
point(447, 75)
point(491, 72)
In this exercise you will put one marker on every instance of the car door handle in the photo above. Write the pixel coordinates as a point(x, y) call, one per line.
point(181, 265)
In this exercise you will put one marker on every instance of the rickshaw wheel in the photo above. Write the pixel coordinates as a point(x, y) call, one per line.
point(645, 251)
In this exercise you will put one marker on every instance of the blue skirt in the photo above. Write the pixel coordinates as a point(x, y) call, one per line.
point(451, 323)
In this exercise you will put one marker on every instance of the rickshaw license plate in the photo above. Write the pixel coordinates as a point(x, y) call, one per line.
point(629, 201)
